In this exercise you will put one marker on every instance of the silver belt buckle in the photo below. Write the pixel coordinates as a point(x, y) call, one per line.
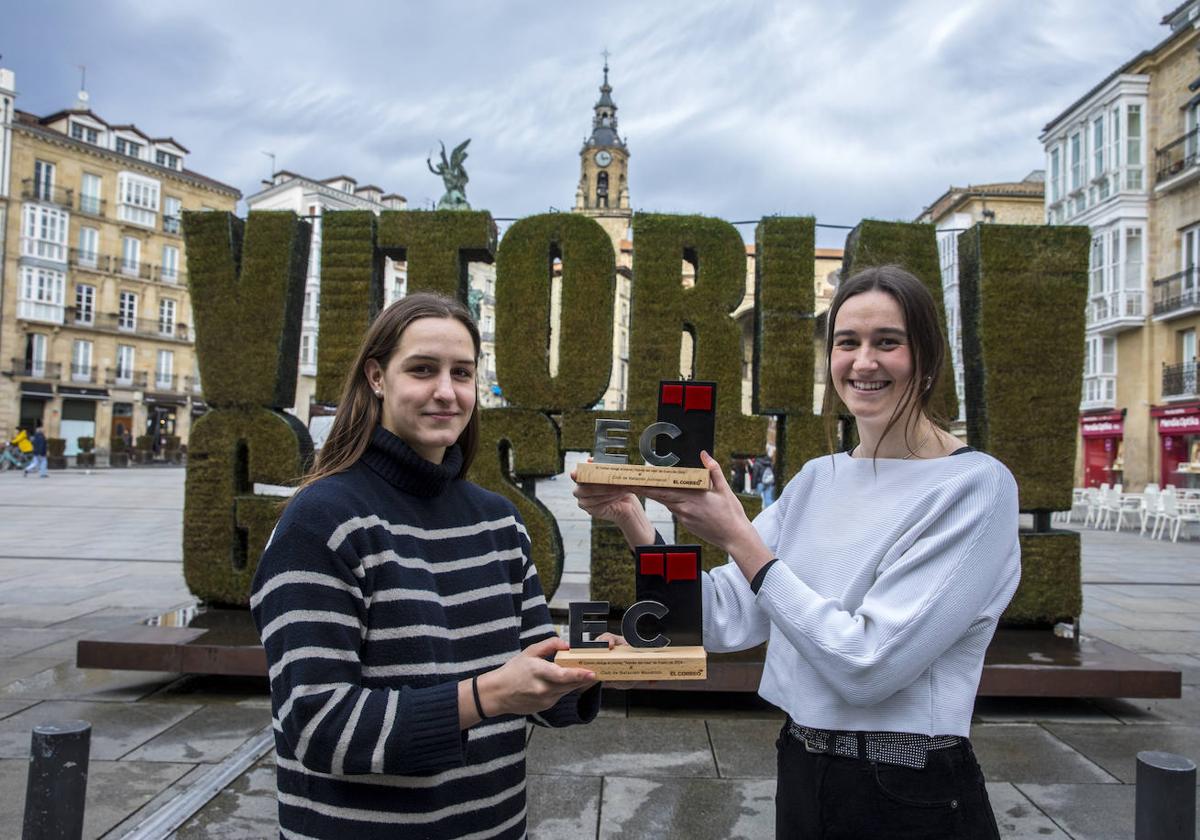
point(812, 748)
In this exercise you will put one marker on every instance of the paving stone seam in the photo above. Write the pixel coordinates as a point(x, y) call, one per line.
point(144, 701)
point(1035, 807)
point(183, 807)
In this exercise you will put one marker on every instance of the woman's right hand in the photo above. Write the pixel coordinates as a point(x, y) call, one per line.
point(618, 505)
point(528, 683)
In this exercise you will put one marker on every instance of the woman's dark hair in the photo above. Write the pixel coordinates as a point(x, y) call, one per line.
point(925, 341)
point(358, 410)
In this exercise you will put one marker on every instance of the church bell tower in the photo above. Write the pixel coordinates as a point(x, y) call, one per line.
point(603, 191)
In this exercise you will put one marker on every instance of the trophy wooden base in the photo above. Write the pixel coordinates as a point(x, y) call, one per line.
point(640, 475)
point(626, 663)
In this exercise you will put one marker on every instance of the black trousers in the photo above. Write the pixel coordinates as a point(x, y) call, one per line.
point(830, 797)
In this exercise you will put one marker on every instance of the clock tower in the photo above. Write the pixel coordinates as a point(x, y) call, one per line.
point(603, 191)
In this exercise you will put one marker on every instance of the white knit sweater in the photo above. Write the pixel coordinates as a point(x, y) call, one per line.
point(892, 577)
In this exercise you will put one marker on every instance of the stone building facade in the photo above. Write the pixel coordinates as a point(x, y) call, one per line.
point(1123, 160)
point(95, 324)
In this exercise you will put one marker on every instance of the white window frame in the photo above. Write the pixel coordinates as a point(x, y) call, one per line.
point(36, 351)
point(42, 294)
point(170, 264)
point(164, 369)
point(127, 311)
point(43, 180)
point(89, 246)
point(1135, 129)
point(81, 360)
point(166, 316)
point(91, 187)
point(126, 353)
point(172, 214)
point(131, 255)
point(138, 199)
point(44, 232)
point(85, 303)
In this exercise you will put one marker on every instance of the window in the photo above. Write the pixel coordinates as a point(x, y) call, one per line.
point(312, 303)
point(166, 316)
point(170, 264)
point(172, 214)
point(1134, 259)
point(1076, 147)
point(1114, 142)
point(44, 232)
point(1187, 345)
point(129, 148)
point(131, 255)
point(85, 133)
point(127, 312)
point(167, 159)
point(137, 199)
point(89, 195)
point(1098, 146)
point(85, 303)
point(1096, 284)
point(1055, 175)
point(306, 342)
point(42, 293)
point(165, 369)
point(35, 355)
point(81, 361)
point(125, 364)
point(89, 246)
point(43, 180)
point(1133, 147)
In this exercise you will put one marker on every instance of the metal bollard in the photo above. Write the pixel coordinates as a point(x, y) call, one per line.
point(58, 768)
point(1166, 797)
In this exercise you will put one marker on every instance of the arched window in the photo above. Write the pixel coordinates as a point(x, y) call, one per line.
point(602, 189)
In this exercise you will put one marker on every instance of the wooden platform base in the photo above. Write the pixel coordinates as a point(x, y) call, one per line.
point(625, 663)
point(1019, 663)
point(639, 475)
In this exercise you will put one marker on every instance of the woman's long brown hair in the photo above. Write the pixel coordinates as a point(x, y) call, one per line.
point(358, 410)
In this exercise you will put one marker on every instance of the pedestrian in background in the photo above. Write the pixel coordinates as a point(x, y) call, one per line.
point(39, 453)
point(768, 482)
point(756, 474)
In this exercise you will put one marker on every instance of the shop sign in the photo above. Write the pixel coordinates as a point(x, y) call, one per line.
point(1188, 424)
point(1102, 425)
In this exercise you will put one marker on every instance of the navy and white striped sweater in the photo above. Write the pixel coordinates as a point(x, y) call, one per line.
point(382, 587)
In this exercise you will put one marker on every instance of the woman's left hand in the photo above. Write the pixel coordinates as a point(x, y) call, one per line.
point(715, 515)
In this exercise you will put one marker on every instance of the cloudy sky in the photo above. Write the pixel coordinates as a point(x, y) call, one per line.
point(844, 111)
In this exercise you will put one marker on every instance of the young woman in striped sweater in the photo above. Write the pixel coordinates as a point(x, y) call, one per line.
point(404, 624)
point(878, 578)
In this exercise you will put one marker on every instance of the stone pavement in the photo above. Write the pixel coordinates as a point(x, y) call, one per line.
point(89, 551)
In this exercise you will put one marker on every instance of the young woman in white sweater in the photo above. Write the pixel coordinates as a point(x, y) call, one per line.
point(878, 579)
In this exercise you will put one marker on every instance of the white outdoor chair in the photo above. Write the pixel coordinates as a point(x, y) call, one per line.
point(1172, 513)
point(1091, 497)
point(1110, 505)
point(1079, 505)
point(1128, 505)
point(1150, 507)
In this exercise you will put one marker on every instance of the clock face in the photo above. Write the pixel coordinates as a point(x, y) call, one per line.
point(603, 158)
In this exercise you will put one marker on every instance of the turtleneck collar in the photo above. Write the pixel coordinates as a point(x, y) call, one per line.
point(397, 463)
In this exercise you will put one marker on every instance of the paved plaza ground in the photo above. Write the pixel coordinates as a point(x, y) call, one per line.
point(90, 551)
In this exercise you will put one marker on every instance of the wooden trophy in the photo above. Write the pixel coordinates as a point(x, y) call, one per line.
point(664, 630)
point(686, 417)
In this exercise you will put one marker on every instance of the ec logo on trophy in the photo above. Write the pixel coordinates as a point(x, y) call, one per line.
point(663, 630)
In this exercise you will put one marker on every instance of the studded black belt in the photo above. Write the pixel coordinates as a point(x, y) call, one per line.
point(905, 749)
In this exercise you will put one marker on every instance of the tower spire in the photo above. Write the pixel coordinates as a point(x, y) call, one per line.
point(604, 123)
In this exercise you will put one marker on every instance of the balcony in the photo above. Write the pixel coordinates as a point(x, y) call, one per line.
point(32, 190)
point(1114, 312)
point(36, 369)
point(164, 381)
point(192, 384)
point(118, 378)
point(1175, 163)
point(145, 327)
point(95, 261)
point(92, 205)
point(172, 224)
point(88, 259)
point(1099, 391)
point(1177, 295)
point(83, 373)
point(1179, 381)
